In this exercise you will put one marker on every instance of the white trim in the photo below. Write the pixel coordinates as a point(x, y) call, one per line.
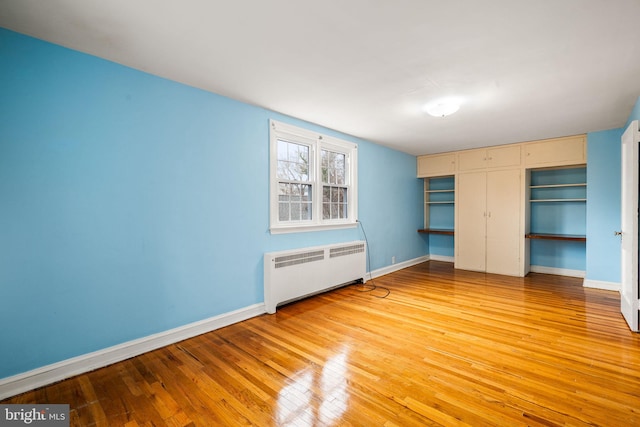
point(20, 383)
point(395, 267)
point(598, 284)
point(442, 258)
point(557, 271)
point(302, 228)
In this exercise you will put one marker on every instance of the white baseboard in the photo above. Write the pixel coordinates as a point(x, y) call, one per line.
point(557, 271)
point(443, 258)
point(20, 383)
point(598, 284)
point(395, 267)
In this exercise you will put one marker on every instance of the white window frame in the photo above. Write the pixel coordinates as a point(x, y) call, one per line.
point(316, 142)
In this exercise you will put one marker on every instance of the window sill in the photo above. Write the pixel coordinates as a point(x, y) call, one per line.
point(304, 228)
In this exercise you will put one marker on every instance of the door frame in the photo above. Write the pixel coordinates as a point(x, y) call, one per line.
point(629, 289)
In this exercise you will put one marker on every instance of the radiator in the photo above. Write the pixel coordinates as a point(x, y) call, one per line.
point(295, 274)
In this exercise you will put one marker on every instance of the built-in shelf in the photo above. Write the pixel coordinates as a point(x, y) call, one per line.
point(557, 200)
point(559, 188)
point(581, 184)
point(556, 216)
point(565, 237)
point(439, 202)
point(436, 231)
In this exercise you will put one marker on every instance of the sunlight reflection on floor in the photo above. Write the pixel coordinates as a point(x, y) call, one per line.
point(313, 399)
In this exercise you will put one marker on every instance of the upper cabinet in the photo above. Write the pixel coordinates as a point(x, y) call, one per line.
point(488, 158)
point(436, 165)
point(469, 160)
point(565, 151)
point(556, 152)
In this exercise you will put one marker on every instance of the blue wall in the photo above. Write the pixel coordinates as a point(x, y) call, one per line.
point(132, 204)
point(603, 205)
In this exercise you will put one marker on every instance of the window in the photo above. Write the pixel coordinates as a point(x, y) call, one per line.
point(313, 180)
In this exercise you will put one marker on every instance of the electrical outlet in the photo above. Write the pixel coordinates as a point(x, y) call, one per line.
point(393, 260)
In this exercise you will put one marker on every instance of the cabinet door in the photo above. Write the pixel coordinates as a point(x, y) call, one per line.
point(472, 159)
point(503, 222)
point(556, 152)
point(436, 165)
point(487, 158)
point(470, 221)
point(503, 156)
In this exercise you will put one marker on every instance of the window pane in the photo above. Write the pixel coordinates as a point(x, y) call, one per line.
point(293, 161)
point(295, 211)
point(294, 202)
point(283, 211)
point(334, 204)
point(334, 211)
point(283, 202)
point(326, 211)
point(340, 178)
point(334, 195)
point(283, 190)
point(324, 165)
point(305, 211)
point(334, 168)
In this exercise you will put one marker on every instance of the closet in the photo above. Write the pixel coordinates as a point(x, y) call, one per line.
point(502, 201)
point(488, 222)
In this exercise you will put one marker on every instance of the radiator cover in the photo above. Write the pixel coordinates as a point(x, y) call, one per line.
point(295, 274)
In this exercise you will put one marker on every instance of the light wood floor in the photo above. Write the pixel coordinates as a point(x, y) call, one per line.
point(446, 347)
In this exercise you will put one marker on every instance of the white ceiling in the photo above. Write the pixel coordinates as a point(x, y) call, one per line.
point(528, 69)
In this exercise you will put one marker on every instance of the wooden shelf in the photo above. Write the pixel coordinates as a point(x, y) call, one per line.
point(559, 185)
point(440, 191)
point(436, 231)
point(557, 200)
point(565, 237)
point(444, 202)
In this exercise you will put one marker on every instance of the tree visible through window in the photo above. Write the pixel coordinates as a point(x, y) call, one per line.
point(334, 189)
point(294, 186)
point(313, 180)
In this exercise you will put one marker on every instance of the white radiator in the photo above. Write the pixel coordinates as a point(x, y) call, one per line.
point(295, 274)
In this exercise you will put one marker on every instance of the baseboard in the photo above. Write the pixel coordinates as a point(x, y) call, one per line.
point(443, 258)
point(557, 271)
point(598, 284)
point(395, 267)
point(20, 383)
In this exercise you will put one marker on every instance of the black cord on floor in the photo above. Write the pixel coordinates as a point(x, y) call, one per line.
point(370, 287)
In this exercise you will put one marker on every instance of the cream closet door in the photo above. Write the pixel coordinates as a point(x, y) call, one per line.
point(503, 222)
point(471, 220)
point(487, 236)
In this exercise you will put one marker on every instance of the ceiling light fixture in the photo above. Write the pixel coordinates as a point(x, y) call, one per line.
point(443, 107)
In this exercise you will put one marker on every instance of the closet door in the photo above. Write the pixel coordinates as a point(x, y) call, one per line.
point(503, 222)
point(470, 236)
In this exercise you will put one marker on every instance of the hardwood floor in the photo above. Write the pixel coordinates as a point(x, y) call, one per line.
point(445, 347)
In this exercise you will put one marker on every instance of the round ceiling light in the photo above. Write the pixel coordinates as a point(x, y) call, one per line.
point(443, 107)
